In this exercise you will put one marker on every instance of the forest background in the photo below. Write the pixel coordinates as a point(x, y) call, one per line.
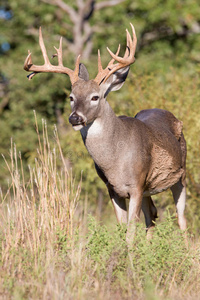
point(50, 248)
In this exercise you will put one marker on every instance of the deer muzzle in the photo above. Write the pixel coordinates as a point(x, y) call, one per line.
point(76, 120)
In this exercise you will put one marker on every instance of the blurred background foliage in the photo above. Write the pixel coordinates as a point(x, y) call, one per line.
point(165, 75)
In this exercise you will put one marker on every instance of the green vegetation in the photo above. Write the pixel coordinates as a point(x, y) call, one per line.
point(51, 244)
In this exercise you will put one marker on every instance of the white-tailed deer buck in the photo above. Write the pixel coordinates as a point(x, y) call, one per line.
point(135, 157)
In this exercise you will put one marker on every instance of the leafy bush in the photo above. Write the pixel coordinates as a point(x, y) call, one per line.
point(164, 260)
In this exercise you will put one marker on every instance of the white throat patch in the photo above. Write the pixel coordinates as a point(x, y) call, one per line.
point(92, 130)
point(95, 129)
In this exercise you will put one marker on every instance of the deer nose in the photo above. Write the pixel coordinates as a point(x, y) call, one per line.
point(75, 119)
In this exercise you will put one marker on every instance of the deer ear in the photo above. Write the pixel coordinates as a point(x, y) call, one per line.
point(83, 72)
point(115, 81)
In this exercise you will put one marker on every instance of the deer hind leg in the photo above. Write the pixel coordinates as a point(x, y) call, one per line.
point(119, 206)
point(179, 195)
point(150, 212)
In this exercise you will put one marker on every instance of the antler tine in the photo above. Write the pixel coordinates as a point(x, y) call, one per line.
point(48, 67)
point(112, 60)
point(43, 48)
point(59, 53)
point(28, 61)
point(74, 75)
point(132, 43)
point(134, 38)
point(128, 44)
point(100, 68)
point(27, 65)
point(122, 62)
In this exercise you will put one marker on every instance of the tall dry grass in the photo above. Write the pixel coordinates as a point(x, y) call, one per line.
point(35, 213)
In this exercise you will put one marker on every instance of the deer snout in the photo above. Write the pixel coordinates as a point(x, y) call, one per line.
point(76, 119)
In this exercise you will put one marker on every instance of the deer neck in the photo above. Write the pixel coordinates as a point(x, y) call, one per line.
point(99, 136)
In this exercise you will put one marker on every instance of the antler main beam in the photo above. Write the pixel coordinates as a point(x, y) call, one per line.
point(48, 67)
point(126, 60)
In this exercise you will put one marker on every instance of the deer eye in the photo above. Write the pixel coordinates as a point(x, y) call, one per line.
point(71, 98)
point(95, 98)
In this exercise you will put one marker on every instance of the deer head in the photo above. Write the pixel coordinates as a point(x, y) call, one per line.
point(87, 96)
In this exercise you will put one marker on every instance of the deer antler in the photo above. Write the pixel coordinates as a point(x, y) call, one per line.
point(126, 60)
point(48, 67)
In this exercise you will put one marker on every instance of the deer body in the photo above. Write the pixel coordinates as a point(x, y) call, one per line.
point(135, 157)
point(127, 146)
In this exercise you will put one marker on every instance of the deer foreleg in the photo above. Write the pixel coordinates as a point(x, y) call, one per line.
point(119, 206)
point(135, 205)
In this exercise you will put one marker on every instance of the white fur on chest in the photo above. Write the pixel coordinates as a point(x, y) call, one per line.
point(93, 130)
